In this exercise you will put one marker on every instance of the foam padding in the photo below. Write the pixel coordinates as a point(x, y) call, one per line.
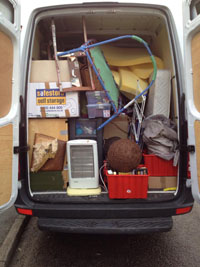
point(123, 57)
point(83, 191)
point(129, 83)
point(144, 71)
point(116, 77)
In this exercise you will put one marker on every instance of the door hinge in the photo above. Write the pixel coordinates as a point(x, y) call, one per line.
point(21, 149)
point(190, 148)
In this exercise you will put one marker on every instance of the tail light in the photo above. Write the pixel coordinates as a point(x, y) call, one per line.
point(183, 210)
point(25, 211)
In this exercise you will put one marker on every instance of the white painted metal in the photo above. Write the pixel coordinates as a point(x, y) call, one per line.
point(175, 7)
point(12, 29)
point(191, 27)
point(185, 32)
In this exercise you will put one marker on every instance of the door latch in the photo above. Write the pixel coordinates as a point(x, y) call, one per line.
point(21, 149)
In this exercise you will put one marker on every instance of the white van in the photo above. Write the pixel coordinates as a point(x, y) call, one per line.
point(172, 31)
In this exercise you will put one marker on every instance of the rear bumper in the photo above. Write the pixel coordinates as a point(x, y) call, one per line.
point(106, 226)
point(114, 210)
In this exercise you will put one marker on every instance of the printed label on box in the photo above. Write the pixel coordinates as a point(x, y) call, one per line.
point(50, 102)
point(106, 113)
point(50, 97)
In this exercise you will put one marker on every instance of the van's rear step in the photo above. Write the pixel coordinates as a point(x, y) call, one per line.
point(106, 226)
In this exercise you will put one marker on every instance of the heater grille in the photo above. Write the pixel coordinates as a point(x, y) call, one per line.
point(82, 161)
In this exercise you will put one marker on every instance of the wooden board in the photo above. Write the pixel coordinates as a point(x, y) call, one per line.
point(197, 148)
point(196, 69)
point(6, 69)
point(6, 153)
point(77, 89)
point(50, 127)
point(196, 93)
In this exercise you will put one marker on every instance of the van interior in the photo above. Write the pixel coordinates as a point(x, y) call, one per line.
point(67, 106)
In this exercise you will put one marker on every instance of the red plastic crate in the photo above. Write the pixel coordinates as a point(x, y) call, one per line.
point(127, 186)
point(159, 167)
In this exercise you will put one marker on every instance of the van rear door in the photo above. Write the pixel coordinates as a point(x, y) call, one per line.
point(9, 100)
point(191, 27)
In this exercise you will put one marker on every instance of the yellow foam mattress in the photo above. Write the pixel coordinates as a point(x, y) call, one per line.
point(121, 57)
point(129, 83)
point(144, 71)
point(116, 77)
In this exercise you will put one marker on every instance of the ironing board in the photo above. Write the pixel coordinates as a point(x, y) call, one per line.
point(105, 74)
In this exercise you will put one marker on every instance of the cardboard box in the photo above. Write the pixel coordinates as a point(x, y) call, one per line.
point(46, 100)
point(45, 71)
point(161, 182)
point(117, 127)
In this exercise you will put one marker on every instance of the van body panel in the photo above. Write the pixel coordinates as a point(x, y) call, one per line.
point(192, 61)
point(9, 104)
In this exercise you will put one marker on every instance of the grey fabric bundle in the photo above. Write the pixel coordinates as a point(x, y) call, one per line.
point(160, 136)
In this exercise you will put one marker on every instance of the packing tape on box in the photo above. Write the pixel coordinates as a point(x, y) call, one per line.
point(43, 113)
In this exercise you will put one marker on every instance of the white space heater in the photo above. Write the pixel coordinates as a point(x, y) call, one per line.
point(83, 166)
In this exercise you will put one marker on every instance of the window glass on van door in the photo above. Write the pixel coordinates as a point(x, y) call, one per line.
point(6, 8)
point(6, 68)
point(194, 9)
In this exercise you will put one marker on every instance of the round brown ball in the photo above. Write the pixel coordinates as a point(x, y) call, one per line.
point(124, 155)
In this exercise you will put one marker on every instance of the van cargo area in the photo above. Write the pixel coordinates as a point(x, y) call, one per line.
point(72, 157)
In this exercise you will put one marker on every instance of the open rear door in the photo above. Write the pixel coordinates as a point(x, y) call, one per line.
point(191, 27)
point(9, 100)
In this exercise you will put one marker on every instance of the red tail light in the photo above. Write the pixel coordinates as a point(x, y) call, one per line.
point(183, 210)
point(25, 211)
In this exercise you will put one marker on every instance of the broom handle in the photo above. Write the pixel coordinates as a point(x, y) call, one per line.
point(85, 40)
